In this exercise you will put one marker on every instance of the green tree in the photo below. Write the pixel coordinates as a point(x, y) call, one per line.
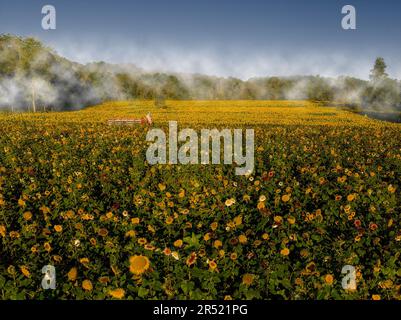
point(318, 89)
point(379, 70)
point(382, 93)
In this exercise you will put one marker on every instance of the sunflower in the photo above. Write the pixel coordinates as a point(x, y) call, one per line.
point(212, 265)
point(291, 220)
point(104, 280)
point(238, 220)
point(229, 202)
point(149, 247)
point(44, 209)
point(191, 259)
point(27, 215)
point(11, 270)
point(72, 274)
point(257, 243)
point(87, 217)
point(2, 231)
point(103, 232)
point(391, 189)
point(47, 246)
point(178, 243)
point(278, 219)
point(342, 179)
point(87, 285)
point(130, 234)
point(285, 198)
point(247, 279)
point(175, 255)
point(135, 220)
point(285, 252)
point(25, 271)
point(57, 258)
point(117, 293)
point(14, 234)
point(304, 253)
point(21, 203)
point(217, 244)
point(46, 232)
point(213, 226)
point(139, 264)
point(185, 211)
point(261, 206)
point(242, 239)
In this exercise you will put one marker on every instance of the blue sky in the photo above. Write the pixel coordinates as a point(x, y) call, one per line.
point(242, 38)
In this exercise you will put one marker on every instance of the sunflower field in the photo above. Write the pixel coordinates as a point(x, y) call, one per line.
point(79, 195)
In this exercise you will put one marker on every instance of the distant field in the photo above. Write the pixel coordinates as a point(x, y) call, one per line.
point(211, 112)
point(78, 194)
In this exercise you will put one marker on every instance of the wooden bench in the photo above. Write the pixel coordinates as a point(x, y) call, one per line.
point(147, 120)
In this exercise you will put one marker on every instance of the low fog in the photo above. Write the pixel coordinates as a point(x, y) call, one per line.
point(33, 76)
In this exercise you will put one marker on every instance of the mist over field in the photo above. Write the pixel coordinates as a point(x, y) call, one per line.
point(35, 76)
point(225, 61)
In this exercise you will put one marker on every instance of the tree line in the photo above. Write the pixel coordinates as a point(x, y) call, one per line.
point(35, 77)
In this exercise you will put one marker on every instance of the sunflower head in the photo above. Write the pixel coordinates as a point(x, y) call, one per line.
point(247, 279)
point(117, 293)
point(139, 264)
